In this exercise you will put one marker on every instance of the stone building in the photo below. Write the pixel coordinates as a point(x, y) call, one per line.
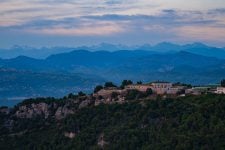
point(161, 88)
point(139, 87)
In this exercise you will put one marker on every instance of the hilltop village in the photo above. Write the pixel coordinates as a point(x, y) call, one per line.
point(110, 93)
point(141, 107)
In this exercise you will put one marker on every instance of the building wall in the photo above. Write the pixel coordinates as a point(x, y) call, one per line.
point(157, 88)
point(173, 91)
point(161, 88)
point(108, 92)
point(197, 90)
point(220, 90)
point(142, 88)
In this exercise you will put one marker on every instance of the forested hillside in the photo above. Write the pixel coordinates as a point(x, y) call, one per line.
point(194, 122)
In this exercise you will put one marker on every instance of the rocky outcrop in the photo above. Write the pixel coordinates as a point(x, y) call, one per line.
point(70, 135)
point(45, 110)
point(101, 141)
point(33, 110)
point(62, 108)
point(62, 112)
point(84, 103)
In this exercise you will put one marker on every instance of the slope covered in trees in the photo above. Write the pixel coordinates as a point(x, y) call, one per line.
point(195, 122)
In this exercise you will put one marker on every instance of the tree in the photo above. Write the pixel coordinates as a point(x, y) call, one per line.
point(71, 95)
point(98, 88)
point(149, 91)
point(109, 84)
point(182, 84)
point(114, 95)
point(125, 83)
point(81, 93)
point(139, 82)
point(100, 97)
point(134, 95)
point(222, 83)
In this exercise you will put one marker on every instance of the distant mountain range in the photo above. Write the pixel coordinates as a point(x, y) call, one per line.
point(44, 52)
point(82, 70)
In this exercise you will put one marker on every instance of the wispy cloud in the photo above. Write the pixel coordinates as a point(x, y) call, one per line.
point(161, 19)
point(99, 29)
point(205, 33)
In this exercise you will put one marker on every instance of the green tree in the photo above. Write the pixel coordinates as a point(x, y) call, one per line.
point(71, 95)
point(222, 83)
point(149, 91)
point(134, 95)
point(125, 83)
point(109, 84)
point(81, 93)
point(139, 82)
point(98, 88)
point(114, 94)
point(100, 97)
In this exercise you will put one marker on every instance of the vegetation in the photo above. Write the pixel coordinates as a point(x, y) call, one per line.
point(222, 83)
point(114, 95)
point(125, 83)
point(134, 95)
point(182, 84)
point(71, 95)
point(81, 93)
point(98, 88)
point(109, 84)
point(193, 122)
point(139, 82)
point(149, 92)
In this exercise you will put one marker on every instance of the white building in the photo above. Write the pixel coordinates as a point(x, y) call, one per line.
point(158, 87)
point(175, 90)
point(197, 90)
point(220, 90)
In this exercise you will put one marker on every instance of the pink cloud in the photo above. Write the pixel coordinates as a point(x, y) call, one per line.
point(204, 33)
point(97, 29)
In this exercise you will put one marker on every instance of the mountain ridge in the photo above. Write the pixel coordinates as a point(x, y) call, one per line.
point(69, 69)
point(198, 48)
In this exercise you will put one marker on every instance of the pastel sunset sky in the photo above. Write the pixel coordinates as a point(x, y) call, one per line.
point(87, 22)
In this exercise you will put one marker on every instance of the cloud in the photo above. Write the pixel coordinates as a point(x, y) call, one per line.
point(217, 11)
point(77, 26)
point(21, 11)
point(134, 20)
point(98, 25)
point(99, 29)
point(113, 2)
point(165, 18)
point(203, 33)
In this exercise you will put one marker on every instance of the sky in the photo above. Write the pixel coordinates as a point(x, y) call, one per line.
point(131, 22)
